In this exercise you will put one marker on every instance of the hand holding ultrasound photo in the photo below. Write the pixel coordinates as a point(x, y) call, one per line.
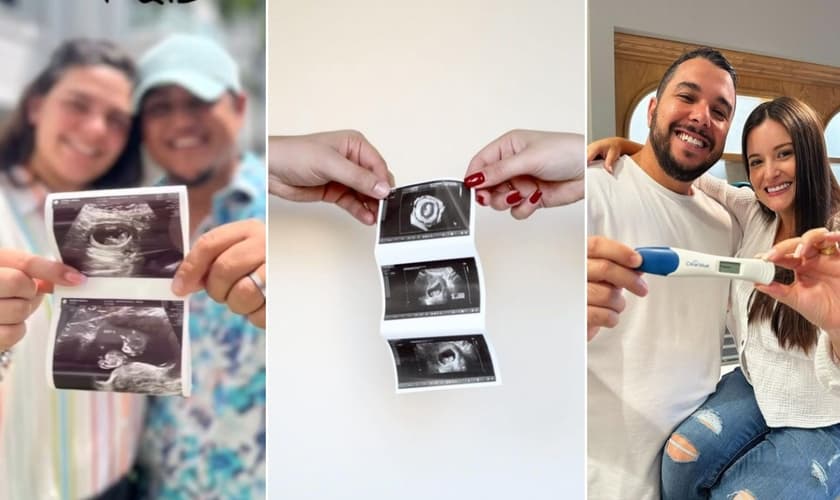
point(432, 288)
point(124, 329)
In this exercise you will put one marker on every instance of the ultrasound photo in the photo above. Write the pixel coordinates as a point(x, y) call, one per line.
point(438, 209)
point(120, 236)
point(119, 345)
point(438, 361)
point(431, 289)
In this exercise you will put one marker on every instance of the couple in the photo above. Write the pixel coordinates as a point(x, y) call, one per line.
point(78, 126)
point(770, 429)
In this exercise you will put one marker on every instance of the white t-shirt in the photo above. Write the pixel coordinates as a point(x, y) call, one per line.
point(793, 389)
point(663, 359)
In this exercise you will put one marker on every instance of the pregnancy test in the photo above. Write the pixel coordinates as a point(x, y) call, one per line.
point(669, 261)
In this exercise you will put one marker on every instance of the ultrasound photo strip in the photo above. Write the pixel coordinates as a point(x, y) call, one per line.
point(436, 288)
point(432, 287)
point(123, 329)
point(119, 345)
point(438, 362)
point(436, 209)
point(119, 235)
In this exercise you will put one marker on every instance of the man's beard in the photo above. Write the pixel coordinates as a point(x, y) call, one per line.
point(674, 169)
point(196, 181)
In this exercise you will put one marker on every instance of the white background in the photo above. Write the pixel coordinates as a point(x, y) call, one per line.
point(429, 84)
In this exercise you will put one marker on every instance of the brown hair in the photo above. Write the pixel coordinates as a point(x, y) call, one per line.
point(17, 139)
point(817, 199)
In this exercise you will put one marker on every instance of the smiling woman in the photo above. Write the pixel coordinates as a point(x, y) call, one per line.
point(71, 130)
point(81, 125)
point(73, 122)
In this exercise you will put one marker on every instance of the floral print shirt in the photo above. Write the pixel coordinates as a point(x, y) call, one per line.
point(212, 444)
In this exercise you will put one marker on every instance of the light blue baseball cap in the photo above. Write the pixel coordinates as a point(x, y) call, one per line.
point(194, 62)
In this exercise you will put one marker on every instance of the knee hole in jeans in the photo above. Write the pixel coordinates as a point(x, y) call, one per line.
point(742, 495)
point(680, 449)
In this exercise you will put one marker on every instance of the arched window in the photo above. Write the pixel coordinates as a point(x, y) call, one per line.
point(832, 143)
point(638, 129)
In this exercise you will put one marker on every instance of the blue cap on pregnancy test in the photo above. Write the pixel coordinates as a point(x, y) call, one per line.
point(658, 260)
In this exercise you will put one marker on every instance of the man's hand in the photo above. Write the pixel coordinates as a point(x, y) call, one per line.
point(610, 268)
point(339, 167)
point(221, 262)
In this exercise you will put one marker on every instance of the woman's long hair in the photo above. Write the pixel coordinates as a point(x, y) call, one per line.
point(817, 200)
point(17, 138)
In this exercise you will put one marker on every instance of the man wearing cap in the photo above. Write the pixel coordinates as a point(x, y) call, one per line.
point(211, 445)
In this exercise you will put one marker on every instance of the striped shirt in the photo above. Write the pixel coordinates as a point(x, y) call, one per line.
point(54, 444)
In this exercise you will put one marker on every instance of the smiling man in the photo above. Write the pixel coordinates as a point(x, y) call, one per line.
point(654, 367)
point(192, 108)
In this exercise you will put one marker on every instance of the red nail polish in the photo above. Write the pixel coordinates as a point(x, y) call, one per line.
point(535, 197)
point(480, 200)
point(513, 198)
point(474, 180)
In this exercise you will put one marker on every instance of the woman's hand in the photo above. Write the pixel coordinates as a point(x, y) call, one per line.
point(526, 169)
point(815, 294)
point(24, 278)
point(609, 150)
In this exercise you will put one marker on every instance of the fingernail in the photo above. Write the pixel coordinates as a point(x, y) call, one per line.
point(178, 286)
point(480, 200)
point(381, 190)
point(75, 278)
point(798, 252)
point(474, 180)
point(535, 197)
point(513, 198)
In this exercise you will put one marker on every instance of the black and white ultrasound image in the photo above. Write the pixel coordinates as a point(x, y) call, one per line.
point(119, 345)
point(434, 288)
point(436, 361)
point(439, 209)
point(120, 236)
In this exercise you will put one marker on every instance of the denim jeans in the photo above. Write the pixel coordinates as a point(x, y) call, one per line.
point(725, 450)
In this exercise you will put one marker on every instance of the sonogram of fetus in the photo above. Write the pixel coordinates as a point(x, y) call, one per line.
point(448, 357)
point(426, 212)
point(439, 285)
point(104, 240)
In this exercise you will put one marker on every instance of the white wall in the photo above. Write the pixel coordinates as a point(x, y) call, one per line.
point(429, 84)
point(805, 31)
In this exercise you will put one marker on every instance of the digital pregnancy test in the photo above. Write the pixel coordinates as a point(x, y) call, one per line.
point(669, 261)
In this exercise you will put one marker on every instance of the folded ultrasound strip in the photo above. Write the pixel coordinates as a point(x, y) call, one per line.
point(123, 330)
point(432, 287)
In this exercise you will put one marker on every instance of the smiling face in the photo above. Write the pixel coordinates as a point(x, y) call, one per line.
point(189, 138)
point(81, 126)
point(772, 166)
point(690, 119)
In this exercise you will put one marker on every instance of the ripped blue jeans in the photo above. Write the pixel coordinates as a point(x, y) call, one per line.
point(725, 450)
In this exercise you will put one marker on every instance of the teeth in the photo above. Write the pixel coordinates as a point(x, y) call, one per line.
point(776, 189)
point(691, 140)
point(82, 148)
point(186, 142)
